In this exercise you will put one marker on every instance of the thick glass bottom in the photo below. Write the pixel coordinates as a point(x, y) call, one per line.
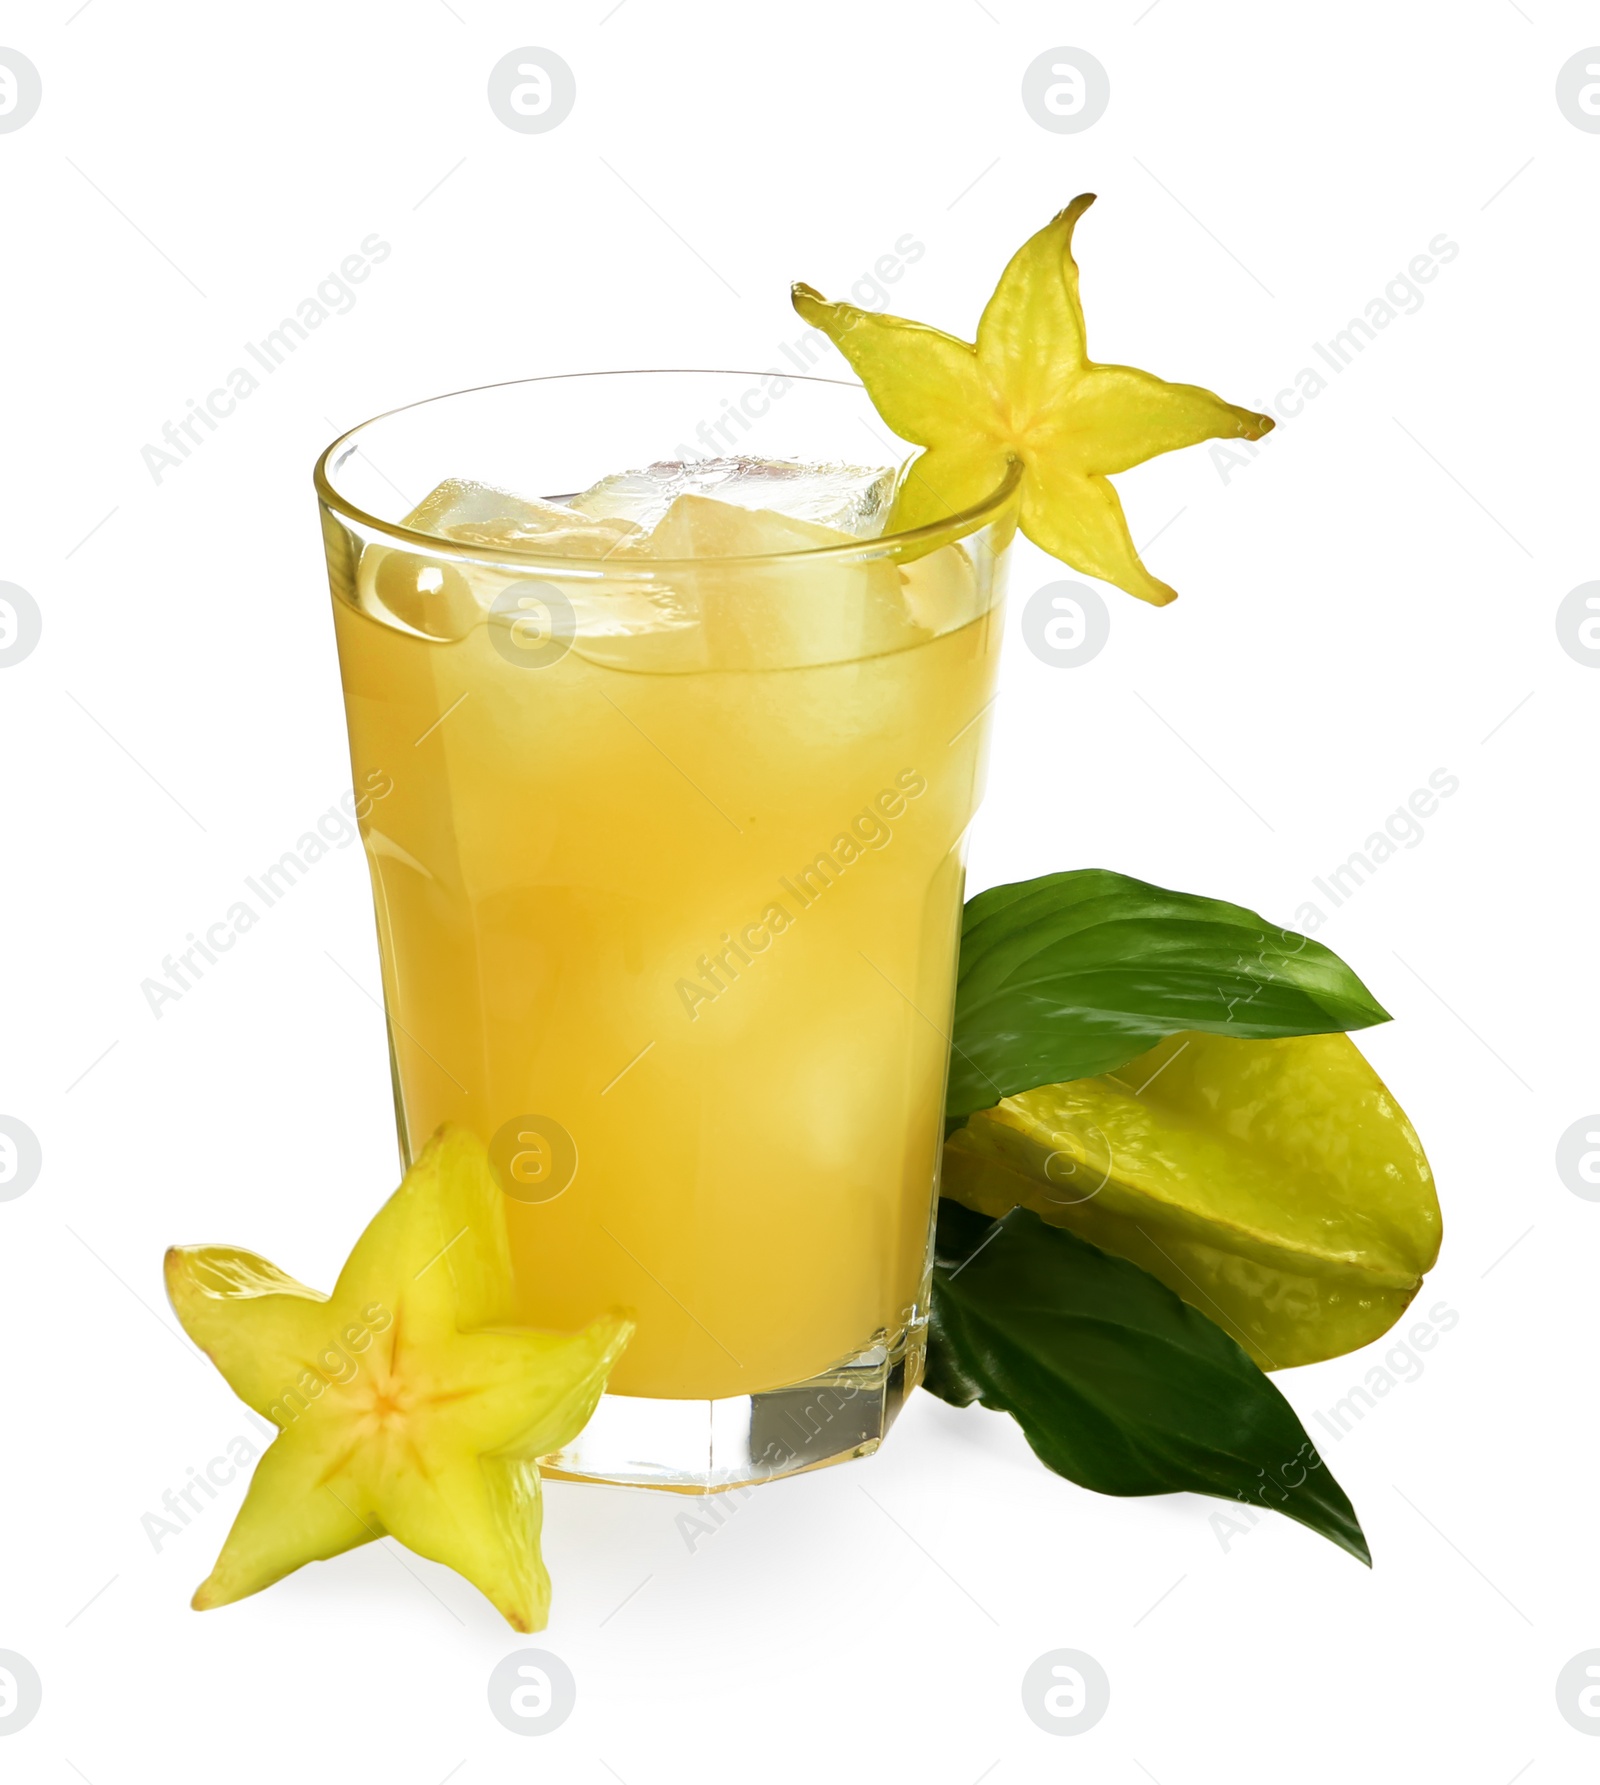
point(702, 1447)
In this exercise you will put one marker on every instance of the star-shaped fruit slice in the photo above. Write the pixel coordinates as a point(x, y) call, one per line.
point(405, 1404)
point(1028, 391)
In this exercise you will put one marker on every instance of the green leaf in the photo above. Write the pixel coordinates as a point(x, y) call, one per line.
point(1116, 1383)
point(1075, 974)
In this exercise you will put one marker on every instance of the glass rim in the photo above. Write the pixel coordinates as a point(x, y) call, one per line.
point(910, 542)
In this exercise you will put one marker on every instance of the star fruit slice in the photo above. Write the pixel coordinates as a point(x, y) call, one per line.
point(1028, 391)
point(1274, 1185)
point(406, 1405)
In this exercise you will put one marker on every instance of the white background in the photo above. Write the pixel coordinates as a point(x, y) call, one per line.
point(1371, 599)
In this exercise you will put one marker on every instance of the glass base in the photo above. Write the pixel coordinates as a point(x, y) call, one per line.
point(703, 1447)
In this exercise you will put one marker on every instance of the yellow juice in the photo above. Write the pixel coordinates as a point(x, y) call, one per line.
point(704, 920)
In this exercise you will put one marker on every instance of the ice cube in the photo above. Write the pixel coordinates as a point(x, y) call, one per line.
point(942, 590)
point(479, 514)
point(458, 501)
point(852, 498)
point(443, 599)
point(419, 594)
point(697, 526)
point(793, 613)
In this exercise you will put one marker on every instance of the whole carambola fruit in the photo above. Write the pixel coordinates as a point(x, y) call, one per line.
point(1274, 1185)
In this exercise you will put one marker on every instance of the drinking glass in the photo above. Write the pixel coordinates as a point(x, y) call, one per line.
point(667, 860)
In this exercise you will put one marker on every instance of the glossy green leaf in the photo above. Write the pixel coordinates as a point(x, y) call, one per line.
point(1077, 973)
point(1117, 1384)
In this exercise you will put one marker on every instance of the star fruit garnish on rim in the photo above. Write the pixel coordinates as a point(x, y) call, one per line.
point(405, 1406)
point(1027, 390)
